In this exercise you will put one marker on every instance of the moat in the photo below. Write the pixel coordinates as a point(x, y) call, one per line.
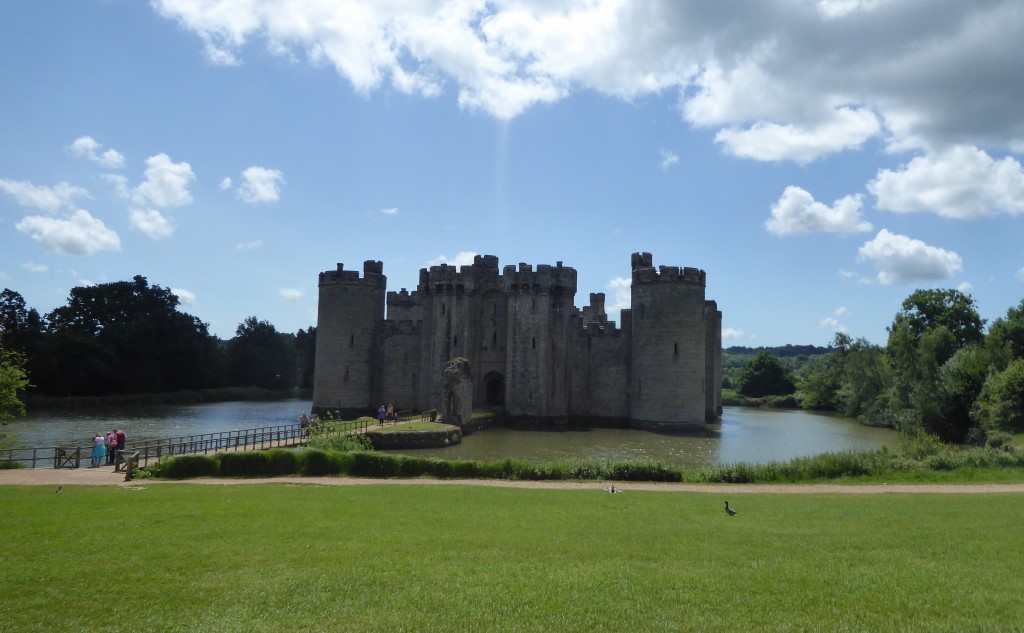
point(745, 434)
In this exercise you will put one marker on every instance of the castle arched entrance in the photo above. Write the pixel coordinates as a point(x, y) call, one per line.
point(494, 389)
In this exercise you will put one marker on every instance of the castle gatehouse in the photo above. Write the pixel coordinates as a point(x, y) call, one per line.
point(531, 351)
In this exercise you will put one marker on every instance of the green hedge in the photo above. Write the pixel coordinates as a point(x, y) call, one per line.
point(316, 462)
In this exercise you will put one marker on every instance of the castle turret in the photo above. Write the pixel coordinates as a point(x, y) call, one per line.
point(349, 318)
point(668, 351)
point(540, 309)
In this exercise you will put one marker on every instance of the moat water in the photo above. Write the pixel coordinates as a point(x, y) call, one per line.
point(744, 434)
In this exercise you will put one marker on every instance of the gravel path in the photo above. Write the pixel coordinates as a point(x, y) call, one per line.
point(105, 476)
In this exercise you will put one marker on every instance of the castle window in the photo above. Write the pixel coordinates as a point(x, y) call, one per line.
point(495, 309)
point(641, 310)
point(443, 308)
point(534, 343)
point(351, 340)
point(455, 343)
point(533, 304)
point(675, 352)
point(346, 373)
point(494, 339)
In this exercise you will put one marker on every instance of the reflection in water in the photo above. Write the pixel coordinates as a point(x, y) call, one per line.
point(745, 434)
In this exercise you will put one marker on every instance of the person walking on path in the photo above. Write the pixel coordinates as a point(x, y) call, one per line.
point(380, 415)
point(99, 449)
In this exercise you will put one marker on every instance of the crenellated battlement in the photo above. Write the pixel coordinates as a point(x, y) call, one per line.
point(373, 276)
point(544, 279)
point(669, 274)
point(446, 278)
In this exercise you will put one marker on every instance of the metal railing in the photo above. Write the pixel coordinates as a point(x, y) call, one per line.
point(238, 440)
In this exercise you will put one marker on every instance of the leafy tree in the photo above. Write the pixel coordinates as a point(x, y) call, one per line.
point(925, 310)
point(765, 376)
point(960, 381)
point(13, 381)
point(929, 329)
point(126, 337)
point(1006, 336)
point(259, 356)
point(305, 349)
point(1000, 405)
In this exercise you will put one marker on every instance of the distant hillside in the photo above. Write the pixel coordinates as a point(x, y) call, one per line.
point(791, 355)
point(782, 352)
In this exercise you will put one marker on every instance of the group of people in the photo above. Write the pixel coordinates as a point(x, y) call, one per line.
point(388, 413)
point(106, 446)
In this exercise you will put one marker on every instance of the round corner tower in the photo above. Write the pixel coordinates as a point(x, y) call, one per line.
point(349, 317)
point(667, 365)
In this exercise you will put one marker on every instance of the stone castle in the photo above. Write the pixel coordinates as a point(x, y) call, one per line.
point(531, 352)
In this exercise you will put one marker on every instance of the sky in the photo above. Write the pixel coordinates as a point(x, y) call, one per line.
point(819, 159)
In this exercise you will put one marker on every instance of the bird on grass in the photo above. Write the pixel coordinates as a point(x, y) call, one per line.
point(60, 489)
point(729, 510)
point(612, 489)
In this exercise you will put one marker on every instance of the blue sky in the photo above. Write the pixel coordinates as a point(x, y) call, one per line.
point(821, 160)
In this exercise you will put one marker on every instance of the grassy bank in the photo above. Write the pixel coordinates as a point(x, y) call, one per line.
point(198, 396)
point(283, 557)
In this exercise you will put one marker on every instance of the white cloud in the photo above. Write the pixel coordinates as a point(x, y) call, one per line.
point(840, 311)
point(151, 223)
point(465, 258)
point(832, 325)
point(731, 333)
point(35, 268)
point(185, 297)
point(390, 211)
point(225, 183)
point(120, 184)
point(620, 291)
point(80, 234)
point(861, 279)
point(900, 259)
point(290, 294)
point(248, 246)
point(87, 147)
point(845, 129)
point(965, 287)
point(962, 182)
point(51, 199)
point(1020, 273)
point(166, 183)
point(781, 82)
point(797, 213)
point(668, 159)
point(260, 184)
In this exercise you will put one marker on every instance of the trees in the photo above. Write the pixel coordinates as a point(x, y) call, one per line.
point(931, 327)
point(13, 381)
point(127, 337)
point(765, 376)
point(259, 356)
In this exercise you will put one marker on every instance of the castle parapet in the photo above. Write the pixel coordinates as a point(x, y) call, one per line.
point(373, 276)
point(404, 306)
point(544, 279)
point(447, 278)
point(669, 274)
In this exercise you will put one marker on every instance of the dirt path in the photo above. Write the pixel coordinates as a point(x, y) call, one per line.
point(104, 476)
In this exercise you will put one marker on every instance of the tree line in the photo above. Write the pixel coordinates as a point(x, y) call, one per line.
point(131, 337)
point(940, 372)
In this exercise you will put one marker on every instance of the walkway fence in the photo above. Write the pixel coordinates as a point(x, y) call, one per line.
point(142, 452)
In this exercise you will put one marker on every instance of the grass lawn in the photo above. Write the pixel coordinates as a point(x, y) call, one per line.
point(413, 426)
point(290, 557)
